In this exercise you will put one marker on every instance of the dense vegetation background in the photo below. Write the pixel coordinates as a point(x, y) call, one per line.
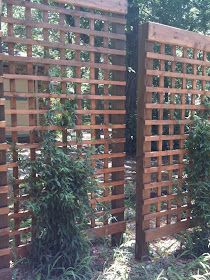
point(193, 15)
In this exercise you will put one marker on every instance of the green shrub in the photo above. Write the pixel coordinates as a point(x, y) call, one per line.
point(198, 182)
point(58, 182)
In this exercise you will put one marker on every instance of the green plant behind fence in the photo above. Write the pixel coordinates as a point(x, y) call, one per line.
point(198, 181)
point(58, 182)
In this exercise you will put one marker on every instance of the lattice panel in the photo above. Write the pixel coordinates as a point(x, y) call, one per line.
point(174, 78)
point(74, 51)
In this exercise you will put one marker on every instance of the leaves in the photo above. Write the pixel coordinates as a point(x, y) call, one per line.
point(197, 172)
point(58, 182)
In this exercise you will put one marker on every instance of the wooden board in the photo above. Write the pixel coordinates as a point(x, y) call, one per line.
point(113, 6)
point(175, 36)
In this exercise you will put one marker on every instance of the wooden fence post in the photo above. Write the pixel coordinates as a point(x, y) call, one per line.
point(141, 247)
point(118, 133)
point(5, 272)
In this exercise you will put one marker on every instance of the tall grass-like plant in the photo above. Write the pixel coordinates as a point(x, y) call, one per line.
point(58, 183)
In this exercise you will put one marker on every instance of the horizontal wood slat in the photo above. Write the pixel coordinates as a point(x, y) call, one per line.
point(107, 230)
point(79, 112)
point(77, 127)
point(64, 96)
point(35, 60)
point(178, 59)
point(167, 230)
point(176, 90)
point(58, 79)
point(114, 6)
point(72, 12)
point(171, 35)
point(177, 75)
point(6, 273)
point(110, 51)
point(77, 30)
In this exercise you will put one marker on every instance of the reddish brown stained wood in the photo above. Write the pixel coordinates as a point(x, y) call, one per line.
point(163, 168)
point(109, 170)
point(49, 61)
point(79, 112)
point(112, 184)
point(75, 12)
point(175, 90)
point(6, 274)
point(166, 122)
point(2, 124)
point(171, 35)
point(114, 6)
point(4, 222)
point(20, 231)
point(113, 211)
point(164, 153)
point(4, 211)
point(115, 228)
point(177, 59)
point(116, 163)
point(107, 198)
point(65, 96)
point(4, 252)
point(77, 127)
point(177, 75)
point(165, 137)
point(77, 30)
point(4, 189)
point(113, 155)
point(175, 106)
point(153, 234)
point(164, 213)
point(160, 199)
point(58, 79)
point(24, 41)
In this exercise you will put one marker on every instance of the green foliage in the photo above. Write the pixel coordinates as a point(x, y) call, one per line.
point(58, 182)
point(198, 182)
point(194, 242)
point(187, 14)
point(198, 169)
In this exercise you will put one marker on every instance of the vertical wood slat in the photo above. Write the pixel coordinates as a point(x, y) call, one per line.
point(140, 248)
point(116, 148)
point(14, 139)
point(5, 271)
point(93, 103)
point(106, 117)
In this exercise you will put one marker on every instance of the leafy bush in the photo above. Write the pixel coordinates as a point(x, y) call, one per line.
point(198, 169)
point(58, 183)
point(198, 182)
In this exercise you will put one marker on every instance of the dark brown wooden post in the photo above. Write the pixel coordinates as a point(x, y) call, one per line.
point(118, 133)
point(5, 272)
point(141, 247)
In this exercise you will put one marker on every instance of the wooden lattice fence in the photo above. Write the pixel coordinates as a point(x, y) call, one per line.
point(173, 78)
point(84, 42)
